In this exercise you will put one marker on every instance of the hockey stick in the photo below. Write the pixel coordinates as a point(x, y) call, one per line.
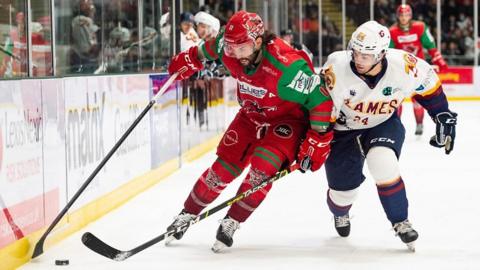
point(39, 246)
point(14, 56)
point(15, 229)
point(102, 248)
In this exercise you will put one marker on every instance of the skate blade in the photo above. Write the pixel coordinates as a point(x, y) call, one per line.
point(411, 246)
point(169, 240)
point(218, 247)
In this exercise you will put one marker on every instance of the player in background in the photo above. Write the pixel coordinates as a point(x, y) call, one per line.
point(368, 82)
point(413, 36)
point(281, 99)
point(207, 25)
point(188, 35)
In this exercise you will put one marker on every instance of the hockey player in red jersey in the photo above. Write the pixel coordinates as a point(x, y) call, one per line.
point(282, 100)
point(412, 36)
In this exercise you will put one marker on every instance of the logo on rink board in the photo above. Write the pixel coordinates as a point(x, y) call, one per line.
point(283, 131)
point(230, 138)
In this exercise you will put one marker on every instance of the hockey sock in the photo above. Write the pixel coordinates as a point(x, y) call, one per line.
point(399, 111)
point(337, 210)
point(419, 112)
point(210, 184)
point(394, 201)
point(265, 162)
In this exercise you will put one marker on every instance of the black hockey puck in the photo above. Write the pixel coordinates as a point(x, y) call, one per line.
point(61, 262)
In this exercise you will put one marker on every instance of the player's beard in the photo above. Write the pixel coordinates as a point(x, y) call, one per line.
point(245, 61)
point(249, 61)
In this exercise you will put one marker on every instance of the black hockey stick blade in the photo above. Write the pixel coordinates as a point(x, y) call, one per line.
point(102, 248)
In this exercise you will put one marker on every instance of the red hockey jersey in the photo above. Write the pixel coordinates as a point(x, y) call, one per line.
point(282, 85)
point(412, 40)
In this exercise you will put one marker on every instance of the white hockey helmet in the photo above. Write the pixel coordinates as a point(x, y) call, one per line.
point(207, 19)
point(370, 38)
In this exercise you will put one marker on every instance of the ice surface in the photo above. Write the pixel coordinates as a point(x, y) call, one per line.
point(293, 228)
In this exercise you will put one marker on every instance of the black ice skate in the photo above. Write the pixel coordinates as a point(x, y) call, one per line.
point(225, 232)
point(182, 220)
point(342, 225)
point(406, 233)
point(419, 129)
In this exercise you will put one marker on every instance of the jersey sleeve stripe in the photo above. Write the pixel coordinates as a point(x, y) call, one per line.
point(321, 115)
point(431, 90)
point(208, 51)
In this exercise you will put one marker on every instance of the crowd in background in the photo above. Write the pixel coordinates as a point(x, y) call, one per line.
point(96, 37)
point(457, 36)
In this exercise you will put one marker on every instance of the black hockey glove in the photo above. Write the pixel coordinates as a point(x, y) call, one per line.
point(445, 131)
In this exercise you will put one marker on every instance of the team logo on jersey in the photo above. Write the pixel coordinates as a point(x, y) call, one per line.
point(304, 83)
point(410, 64)
point(329, 76)
point(427, 81)
point(230, 138)
point(387, 91)
point(251, 90)
point(420, 88)
point(407, 38)
point(353, 92)
point(252, 107)
point(283, 131)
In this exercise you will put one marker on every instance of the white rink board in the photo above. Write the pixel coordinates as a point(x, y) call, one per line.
point(293, 228)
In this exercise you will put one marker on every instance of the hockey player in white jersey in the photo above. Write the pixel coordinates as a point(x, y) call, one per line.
point(367, 84)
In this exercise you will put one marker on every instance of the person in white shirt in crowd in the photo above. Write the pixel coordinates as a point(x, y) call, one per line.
point(188, 36)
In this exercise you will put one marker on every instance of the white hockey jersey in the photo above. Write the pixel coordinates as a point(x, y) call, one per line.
point(357, 106)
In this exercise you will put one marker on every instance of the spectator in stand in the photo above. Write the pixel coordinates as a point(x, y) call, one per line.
point(188, 36)
point(412, 36)
point(15, 62)
point(85, 47)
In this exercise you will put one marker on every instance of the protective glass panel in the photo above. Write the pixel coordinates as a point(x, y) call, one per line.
point(13, 40)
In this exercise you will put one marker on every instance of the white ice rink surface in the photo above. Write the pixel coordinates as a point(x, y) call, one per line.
point(293, 228)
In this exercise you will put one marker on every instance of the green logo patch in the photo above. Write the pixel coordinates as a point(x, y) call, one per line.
point(387, 91)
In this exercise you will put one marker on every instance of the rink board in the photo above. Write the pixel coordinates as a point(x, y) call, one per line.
point(54, 132)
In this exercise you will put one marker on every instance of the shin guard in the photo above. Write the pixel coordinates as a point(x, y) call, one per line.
point(265, 162)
